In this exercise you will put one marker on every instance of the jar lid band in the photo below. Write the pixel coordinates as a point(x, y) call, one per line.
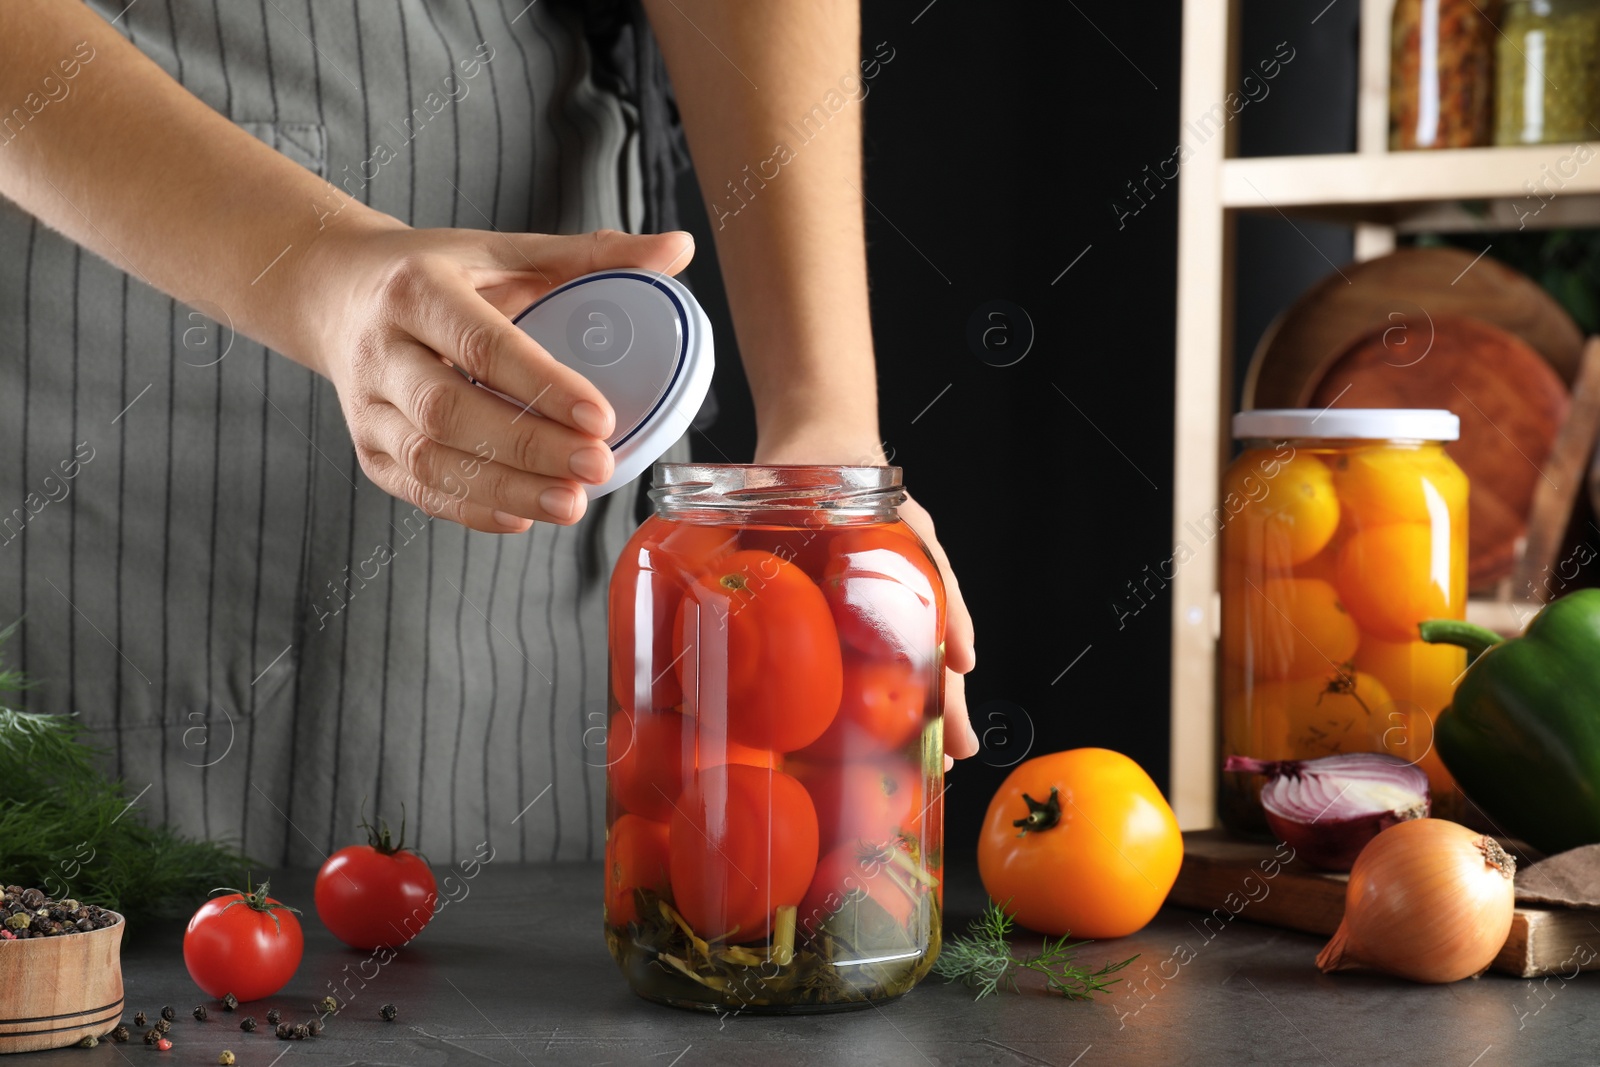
point(1377, 424)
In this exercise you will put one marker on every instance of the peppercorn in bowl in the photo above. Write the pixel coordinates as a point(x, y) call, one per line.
point(60, 970)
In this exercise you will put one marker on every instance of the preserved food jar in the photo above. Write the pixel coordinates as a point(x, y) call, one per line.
point(1441, 73)
point(1548, 72)
point(775, 755)
point(1342, 529)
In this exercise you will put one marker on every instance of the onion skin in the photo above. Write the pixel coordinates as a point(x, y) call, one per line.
point(1429, 900)
point(1322, 808)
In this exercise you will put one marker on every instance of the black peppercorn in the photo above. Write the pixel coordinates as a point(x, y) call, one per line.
point(326, 1005)
point(248, 1024)
point(151, 1036)
point(388, 1012)
point(314, 1027)
point(32, 898)
point(301, 1031)
point(273, 1016)
point(284, 1031)
point(168, 1013)
point(139, 1020)
point(163, 1026)
point(120, 1033)
point(200, 1012)
point(230, 1002)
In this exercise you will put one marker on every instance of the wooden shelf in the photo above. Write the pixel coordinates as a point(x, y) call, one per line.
point(1534, 186)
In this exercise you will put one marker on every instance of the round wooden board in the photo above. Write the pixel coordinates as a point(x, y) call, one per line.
point(1422, 282)
point(1511, 403)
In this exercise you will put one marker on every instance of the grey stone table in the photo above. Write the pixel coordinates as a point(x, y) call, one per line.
point(514, 971)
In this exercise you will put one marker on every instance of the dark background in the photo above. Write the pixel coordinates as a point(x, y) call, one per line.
point(996, 143)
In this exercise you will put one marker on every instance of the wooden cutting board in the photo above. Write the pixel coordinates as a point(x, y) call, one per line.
point(1229, 879)
point(1511, 404)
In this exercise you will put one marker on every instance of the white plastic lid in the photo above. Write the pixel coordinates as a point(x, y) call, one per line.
point(1373, 424)
point(645, 342)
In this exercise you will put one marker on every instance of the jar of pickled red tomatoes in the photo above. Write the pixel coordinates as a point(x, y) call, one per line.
point(1342, 529)
point(775, 759)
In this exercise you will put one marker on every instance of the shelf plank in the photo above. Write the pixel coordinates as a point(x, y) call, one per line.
point(1540, 184)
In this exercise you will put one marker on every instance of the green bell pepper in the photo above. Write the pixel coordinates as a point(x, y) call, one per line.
point(1522, 734)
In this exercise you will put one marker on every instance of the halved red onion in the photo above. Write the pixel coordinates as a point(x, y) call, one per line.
point(1328, 809)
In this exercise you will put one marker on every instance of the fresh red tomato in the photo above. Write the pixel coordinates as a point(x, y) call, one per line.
point(863, 804)
point(759, 647)
point(851, 873)
point(376, 894)
point(247, 944)
point(883, 708)
point(743, 843)
point(636, 858)
point(664, 555)
point(645, 761)
point(885, 592)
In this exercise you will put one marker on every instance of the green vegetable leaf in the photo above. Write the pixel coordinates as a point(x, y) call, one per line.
point(984, 960)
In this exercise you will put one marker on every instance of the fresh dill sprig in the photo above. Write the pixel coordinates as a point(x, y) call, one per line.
point(984, 960)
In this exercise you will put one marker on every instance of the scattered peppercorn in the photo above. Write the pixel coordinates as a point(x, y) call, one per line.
point(163, 1026)
point(164, 1044)
point(226, 1059)
point(120, 1034)
point(151, 1036)
point(327, 1005)
point(388, 1012)
point(139, 1020)
point(273, 1016)
point(230, 1002)
point(169, 1013)
point(314, 1027)
point(89, 1042)
point(248, 1024)
point(200, 1012)
point(285, 1031)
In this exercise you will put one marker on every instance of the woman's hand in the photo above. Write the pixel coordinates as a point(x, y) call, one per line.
point(392, 305)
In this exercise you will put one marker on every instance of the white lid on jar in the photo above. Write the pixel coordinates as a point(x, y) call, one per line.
point(1367, 424)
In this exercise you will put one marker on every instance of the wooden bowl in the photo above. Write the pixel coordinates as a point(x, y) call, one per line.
point(56, 991)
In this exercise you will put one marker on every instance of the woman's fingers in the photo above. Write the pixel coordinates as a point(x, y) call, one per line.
point(959, 652)
point(960, 739)
point(447, 481)
point(558, 258)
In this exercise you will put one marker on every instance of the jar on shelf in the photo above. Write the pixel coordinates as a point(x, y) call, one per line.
point(775, 754)
point(1548, 80)
point(1342, 529)
point(1441, 73)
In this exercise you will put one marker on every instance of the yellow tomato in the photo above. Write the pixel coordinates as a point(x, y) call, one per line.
point(1393, 577)
point(1284, 627)
point(1337, 712)
point(1421, 679)
point(1285, 518)
point(1386, 484)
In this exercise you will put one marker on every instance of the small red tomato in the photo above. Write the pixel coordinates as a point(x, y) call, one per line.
point(636, 858)
point(758, 648)
point(645, 760)
point(864, 804)
point(883, 708)
point(642, 611)
point(885, 593)
point(377, 894)
point(850, 873)
point(247, 944)
point(743, 843)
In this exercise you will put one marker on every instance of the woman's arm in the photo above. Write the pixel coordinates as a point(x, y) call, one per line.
point(771, 100)
point(129, 164)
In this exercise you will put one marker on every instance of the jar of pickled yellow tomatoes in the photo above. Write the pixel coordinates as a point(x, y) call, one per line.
point(1342, 529)
point(775, 758)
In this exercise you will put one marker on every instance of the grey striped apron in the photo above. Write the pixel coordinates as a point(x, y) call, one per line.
point(260, 638)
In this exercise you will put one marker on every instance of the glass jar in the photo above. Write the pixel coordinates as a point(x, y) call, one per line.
point(1548, 80)
point(775, 756)
point(1441, 73)
point(1342, 529)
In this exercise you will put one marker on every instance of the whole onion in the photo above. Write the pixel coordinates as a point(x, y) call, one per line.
point(1429, 900)
point(1328, 809)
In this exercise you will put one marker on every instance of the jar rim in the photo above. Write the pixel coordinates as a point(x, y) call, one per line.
point(844, 489)
point(1350, 424)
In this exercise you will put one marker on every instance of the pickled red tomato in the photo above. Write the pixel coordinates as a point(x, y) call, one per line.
point(1285, 627)
point(663, 556)
point(885, 592)
point(636, 858)
point(867, 804)
point(1285, 518)
point(1389, 484)
point(756, 645)
point(851, 873)
point(884, 706)
point(804, 546)
point(645, 757)
point(743, 843)
point(1394, 577)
